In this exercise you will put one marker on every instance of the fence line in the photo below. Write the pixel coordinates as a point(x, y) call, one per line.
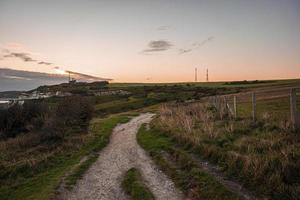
point(236, 99)
point(253, 106)
point(293, 106)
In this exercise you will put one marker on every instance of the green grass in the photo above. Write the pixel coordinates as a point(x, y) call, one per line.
point(278, 108)
point(134, 186)
point(39, 181)
point(79, 171)
point(210, 84)
point(43, 184)
point(120, 105)
point(185, 173)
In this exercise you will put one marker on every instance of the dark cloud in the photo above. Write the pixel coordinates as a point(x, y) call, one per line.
point(26, 75)
point(158, 45)
point(11, 79)
point(18, 74)
point(44, 63)
point(24, 56)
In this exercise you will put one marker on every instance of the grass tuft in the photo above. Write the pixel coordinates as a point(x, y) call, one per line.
point(134, 186)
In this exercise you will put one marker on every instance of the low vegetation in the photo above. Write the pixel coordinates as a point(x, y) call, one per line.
point(264, 155)
point(48, 121)
point(32, 167)
point(41, 140)
point(135, 187)
point(176, 163)
point(143, 96)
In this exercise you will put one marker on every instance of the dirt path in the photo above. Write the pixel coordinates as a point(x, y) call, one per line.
point(103, 179)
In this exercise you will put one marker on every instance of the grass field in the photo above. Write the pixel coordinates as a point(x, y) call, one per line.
point(263, 155)
point(249, 84)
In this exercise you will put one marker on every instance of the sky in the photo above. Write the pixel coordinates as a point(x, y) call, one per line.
point(153, 41)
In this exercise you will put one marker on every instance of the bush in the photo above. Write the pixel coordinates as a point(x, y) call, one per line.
point(75, 110)
point(22, 118)
point(36, 115)
point(71, 113)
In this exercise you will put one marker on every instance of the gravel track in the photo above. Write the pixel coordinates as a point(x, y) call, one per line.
point(104, 177)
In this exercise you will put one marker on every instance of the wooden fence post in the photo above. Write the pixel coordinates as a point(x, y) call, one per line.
point(293, 109)
point(215, 101)
point(234, 107)
point(225, 103)
point(253, 106)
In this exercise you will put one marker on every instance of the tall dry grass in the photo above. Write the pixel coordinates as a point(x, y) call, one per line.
point(265, 155)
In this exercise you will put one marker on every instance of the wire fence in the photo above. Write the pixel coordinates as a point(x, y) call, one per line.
point(280, 104)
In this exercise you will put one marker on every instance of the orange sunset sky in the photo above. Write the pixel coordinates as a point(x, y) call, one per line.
point(153, 41)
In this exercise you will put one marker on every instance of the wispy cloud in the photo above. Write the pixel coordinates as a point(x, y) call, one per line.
point(23, 56)
point(207, 40)
point(196, 45)
point(26, 57)
point(44, 63)
point(16, 50)
point(163, 28)
point(182, 51)
point(158, 45)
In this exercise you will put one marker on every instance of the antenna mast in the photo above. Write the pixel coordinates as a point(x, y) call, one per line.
point(207, 75)
point(196, 74)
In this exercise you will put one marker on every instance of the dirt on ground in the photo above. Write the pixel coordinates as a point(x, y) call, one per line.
point(104, 177)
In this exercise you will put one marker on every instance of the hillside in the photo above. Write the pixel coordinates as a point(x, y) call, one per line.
point(51, 142)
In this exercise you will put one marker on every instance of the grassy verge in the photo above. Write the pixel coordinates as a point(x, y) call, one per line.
point(125, 105)
point(173, 160)
point(43, 184)
point(134, 186)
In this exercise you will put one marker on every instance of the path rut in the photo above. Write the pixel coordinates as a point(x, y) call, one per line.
point(104, 177)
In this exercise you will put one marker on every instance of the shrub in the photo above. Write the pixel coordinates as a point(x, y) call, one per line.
point(72, 112)
point(22, 118)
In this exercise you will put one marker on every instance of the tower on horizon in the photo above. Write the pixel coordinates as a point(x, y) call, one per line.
point(196, 74)
point(206, 75)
